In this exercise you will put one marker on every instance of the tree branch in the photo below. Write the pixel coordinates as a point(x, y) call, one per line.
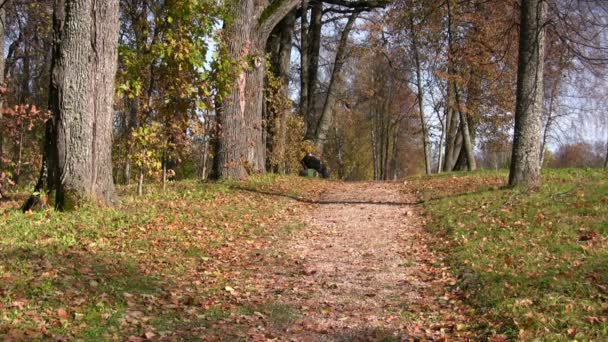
point(272, 14)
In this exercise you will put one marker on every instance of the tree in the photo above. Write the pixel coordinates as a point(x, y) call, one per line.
point(78, 161)
point(525, 161)
point(240, 147)
point(326, 114)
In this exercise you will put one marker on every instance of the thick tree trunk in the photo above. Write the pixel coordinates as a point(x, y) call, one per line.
point(240, 148)
point(82, 93)
point(231, 155)
point(330, 101)
point(525, 161)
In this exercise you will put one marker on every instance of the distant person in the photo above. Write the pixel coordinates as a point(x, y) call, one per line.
point(312, 162)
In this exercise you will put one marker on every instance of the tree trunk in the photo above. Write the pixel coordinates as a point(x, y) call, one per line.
point(525, 162)
point(140, 182)
point(467, 145)
point(2, 65)
point(425, 138)
point(441, 140)
point(82, 93)
point(451, 152)
point(550, 118)
point(304, 112)
point(164, 175)
point(279, 47)
point(330, 101)
point(606, 159)
point(240, 148)
point(314, 49)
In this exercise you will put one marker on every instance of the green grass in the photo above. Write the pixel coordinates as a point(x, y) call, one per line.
point(535, 265)
point(155, 262)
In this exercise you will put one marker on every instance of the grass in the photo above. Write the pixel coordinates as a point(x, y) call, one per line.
point(156, 263)
point(534, 265)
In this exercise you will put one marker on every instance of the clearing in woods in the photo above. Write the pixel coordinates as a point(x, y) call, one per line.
point(362, 270)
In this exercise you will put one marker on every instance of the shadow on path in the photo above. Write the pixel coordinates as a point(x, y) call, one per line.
point(320, 202)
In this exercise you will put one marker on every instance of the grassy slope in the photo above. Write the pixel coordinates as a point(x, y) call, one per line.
point(158, 264)
point(536, 266)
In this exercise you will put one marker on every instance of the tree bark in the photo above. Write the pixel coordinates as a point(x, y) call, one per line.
point(606, 159)
point(330, 101)
point(467, 146)
point(425, 138)
point(2, 65)
point(525, 161)
point(78, 157)
point(240, 147)
point(304, 51)
point(314, 48)
point(550, 118)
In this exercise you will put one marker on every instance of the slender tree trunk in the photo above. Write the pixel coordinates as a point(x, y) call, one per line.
point(606, 159)
point(205, 159)
point(441, 140)
point(314, 48)
point(326, 114)
point(525, 162)
point(2, 66)
point(304, 51)
point(374, 145)
point(420, 88)
point(549, 123)
point(140, 182)
point(451, 152)
point(452, 135)
point(164, 175)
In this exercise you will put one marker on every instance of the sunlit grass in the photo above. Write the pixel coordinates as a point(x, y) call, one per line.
point(536, 265)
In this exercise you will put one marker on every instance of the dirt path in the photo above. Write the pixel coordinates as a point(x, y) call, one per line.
point(359, 269)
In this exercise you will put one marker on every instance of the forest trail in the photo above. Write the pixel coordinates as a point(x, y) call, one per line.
point(363, 271)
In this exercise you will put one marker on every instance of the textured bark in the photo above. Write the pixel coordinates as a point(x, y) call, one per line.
point(330, 101)
point(525, 161)
point(82, 92)
point(468, 149)
point(279, 47)
point(314, 45)
point(451, 150)
point(313, 48)
point(240, 148)
point(304, 77)
point(550, 118)
point(451, 134)
point(2, 65)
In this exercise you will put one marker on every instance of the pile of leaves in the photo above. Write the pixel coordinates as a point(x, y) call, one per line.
point(166, 265)
point(534, 265)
